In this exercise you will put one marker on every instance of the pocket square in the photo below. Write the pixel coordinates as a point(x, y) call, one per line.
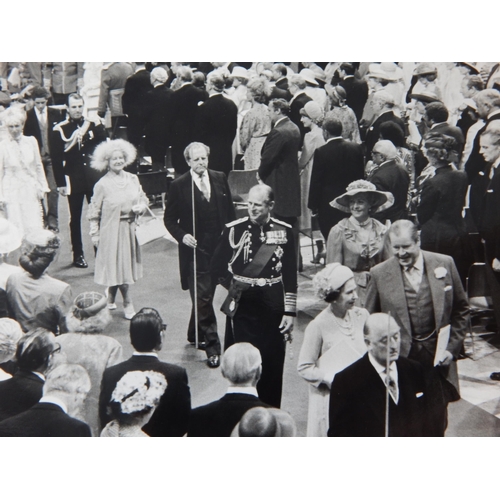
point(419, 394)
point(447, 288)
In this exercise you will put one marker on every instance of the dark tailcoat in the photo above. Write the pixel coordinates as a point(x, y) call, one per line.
point(335, 165)
point(133, 101)
point(157, 119)
point(19, 393)
point(219, 418)
point(216, 123)
point(279, 167)
point(44, 420)
point(171, 417)
point(280, 90)
point(357, 401)
point(392, 177)
point(185, 101)
point(356, 94)
point(32, 127)
point(373, 133)
point(178, 217)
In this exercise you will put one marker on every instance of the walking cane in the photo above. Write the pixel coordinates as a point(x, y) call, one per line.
point(195, 305)
point(387, 394)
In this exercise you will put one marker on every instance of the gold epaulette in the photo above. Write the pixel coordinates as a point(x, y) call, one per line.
point(237, 221)
point(281, 222)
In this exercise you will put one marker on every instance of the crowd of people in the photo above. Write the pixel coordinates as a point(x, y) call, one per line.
point(390, 168)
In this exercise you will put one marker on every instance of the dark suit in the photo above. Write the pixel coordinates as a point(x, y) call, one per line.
point(32, 127)
point(184, 110)
point(356, 94)
point(392, 177)
point(133, 101)
point(335, 165)
point(44, 420)
point(373, 133)
point(386, 293)
point(178, 220)
point(219, 418)
point(476, 168)
point(357, 401)
point(171, 417)
point(279, 168)
point(73, 160)
point(19, 393)
point(296, 104)
point(216, 122)
point(157, 124)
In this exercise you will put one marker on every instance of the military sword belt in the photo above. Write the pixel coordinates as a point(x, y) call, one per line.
point(423, 339)
point(257, 281)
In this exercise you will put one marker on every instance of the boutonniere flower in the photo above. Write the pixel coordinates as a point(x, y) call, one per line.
point(200, 103)
point(440, 272)
point(448, 288)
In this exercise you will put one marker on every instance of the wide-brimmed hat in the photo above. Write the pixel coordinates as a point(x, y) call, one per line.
point(385, 71)
point(471, 66)
point(88, 313)
point(312, 110)
point(308, 75)
point(239, 72)
point(424, 68)
point(382, 200)
point(426, 96)
point(10, 237)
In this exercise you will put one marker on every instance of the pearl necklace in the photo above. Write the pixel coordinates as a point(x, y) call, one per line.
point(345, 324)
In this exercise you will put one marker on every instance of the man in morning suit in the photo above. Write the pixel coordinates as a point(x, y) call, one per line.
point(490, 217)
point(137, 87)
point(216, 122)
point(34, 357)
point(488, 109)
point(257, 254)
point(280, 89)
point(64, 394)
point(185, 102)
point(335, 166)
point(356, 89)
point(40, 120)
point(358, 393)
point(241, 365)
point(73, 142)
point(423, 292)
point(213, 208)
point(389, 175)
point(170, 419)
point(383, 104)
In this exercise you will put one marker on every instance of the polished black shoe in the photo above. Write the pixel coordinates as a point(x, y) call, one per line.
point(495, 376)
point(80, 262)
point(213, 361)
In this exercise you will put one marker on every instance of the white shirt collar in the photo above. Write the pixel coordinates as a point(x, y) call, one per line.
point(55, 401)
point(184, 84)
point(378, 367)
point(280, 120)
point(419, 263)
point(43, 114)
point(333, 139)
point(252, 391)
point(348, 76)
point(436, 124)
point(152, 354)
point(41, 375)
point(495, 112)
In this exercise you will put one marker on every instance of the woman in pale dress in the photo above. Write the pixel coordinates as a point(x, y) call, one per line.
point(117, 201)
point(22, 178)
point(332, 341)
point(133, 401)
point(359, 241)
point(256, 123)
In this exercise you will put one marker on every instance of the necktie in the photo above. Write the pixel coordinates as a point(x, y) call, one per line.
point(393, 388)
point(203, 188)
point(411, 274)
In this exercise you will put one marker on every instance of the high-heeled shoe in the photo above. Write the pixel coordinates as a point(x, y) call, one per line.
point(321, 254)
point(129, 311)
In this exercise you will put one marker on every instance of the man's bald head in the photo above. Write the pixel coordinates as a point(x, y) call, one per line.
point(380, 330)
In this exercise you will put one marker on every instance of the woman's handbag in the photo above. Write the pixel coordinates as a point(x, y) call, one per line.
point(149, 229)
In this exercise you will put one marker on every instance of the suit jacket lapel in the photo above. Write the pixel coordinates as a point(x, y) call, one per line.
point(437, 288)
point(375, 390)
point(216, 191)
point(398, 298)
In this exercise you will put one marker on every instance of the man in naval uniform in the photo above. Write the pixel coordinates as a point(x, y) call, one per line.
point(258, 252)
